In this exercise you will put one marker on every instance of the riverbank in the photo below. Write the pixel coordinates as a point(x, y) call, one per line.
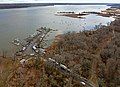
point(25, 5)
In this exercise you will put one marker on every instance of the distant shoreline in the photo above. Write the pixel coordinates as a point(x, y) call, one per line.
point(25, 5)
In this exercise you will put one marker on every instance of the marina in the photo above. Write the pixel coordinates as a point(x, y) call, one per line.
point(32, 46)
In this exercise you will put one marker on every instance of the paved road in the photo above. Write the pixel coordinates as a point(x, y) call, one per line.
point(69, 72)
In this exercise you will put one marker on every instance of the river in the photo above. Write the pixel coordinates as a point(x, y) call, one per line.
point(20, 22)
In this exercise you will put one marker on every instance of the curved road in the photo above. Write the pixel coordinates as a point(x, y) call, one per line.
point(68, 72)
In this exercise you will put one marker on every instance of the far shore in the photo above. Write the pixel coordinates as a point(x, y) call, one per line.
point(25, 5)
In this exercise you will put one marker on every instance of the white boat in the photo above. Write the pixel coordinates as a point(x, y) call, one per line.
point(16, 41)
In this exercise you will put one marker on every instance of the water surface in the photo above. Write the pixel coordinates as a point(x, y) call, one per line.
point(21, 22)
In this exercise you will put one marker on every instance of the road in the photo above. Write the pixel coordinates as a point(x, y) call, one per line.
point(64, 70)
point(69, 73)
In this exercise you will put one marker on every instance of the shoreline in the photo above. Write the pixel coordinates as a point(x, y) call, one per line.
point(26, 5)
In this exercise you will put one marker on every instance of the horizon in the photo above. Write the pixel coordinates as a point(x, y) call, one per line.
point(57, 3)
point(60, 1)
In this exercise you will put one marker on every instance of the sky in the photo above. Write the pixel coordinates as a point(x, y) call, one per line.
point(60, 1)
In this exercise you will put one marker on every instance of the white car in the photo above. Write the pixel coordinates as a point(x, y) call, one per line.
point(34, 47)
point(32, 54)
point(63, 66)
point(23, 61)
point(24, 48)
point(51, 59)
point(82, 83)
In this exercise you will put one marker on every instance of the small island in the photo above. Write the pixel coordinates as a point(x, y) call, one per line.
point(71, 14)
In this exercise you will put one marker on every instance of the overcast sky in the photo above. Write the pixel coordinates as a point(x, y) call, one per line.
point(62, 1)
